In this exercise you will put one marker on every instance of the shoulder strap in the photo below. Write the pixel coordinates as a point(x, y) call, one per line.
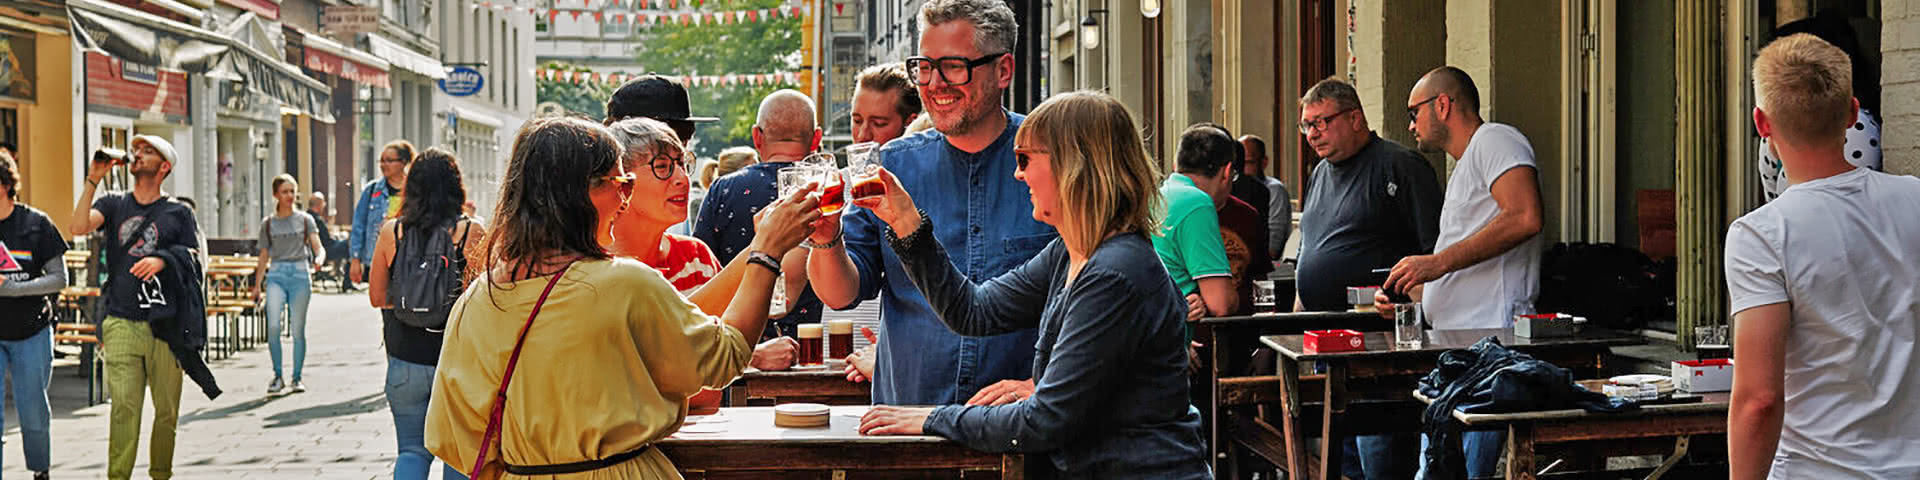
point(500, 396)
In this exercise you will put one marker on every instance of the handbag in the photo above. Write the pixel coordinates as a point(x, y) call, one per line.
point(500, 396)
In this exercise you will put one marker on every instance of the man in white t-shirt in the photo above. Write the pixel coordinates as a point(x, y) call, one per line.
point(1486, 264)
point(1825, 290)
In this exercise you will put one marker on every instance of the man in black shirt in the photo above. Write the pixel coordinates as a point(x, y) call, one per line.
point(149, 335)
point(31, 274)
point(1370, 202)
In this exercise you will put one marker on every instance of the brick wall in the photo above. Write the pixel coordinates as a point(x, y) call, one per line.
point(1900, 85)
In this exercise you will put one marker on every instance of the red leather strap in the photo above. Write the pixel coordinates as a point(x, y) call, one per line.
point(500, 397)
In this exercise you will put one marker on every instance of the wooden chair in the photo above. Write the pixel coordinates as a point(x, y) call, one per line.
point(1235, 397)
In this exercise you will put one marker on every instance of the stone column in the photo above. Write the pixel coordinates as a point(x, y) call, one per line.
point(1699, 173)
point(1900, 87)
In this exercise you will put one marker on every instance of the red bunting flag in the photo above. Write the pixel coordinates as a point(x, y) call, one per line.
point(552, 15)
point(599, 17)
point(576, 15)
point(796, 12)
point(753, 15)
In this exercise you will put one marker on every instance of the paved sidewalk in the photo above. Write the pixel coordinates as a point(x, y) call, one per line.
point(338, 429)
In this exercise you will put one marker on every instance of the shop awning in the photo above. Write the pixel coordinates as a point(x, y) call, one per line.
point(144, 38)
point(267, 74)
point(405, 58)
point(327, 56)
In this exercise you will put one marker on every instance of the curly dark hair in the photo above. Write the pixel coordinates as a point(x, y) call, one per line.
point(545, 209)
point(10, 176)
point(434, 190)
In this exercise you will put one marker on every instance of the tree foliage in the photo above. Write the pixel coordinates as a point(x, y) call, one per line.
point(720, 49)
point(585, 98)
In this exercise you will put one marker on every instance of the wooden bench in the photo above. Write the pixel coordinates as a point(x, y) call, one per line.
point(87, 336)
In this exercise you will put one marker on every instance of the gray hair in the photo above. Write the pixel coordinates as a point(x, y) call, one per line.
point(995, 28)
point(640, 135)
point(1334, 89)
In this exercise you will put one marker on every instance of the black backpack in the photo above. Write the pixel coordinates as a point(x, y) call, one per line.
point(424, 279)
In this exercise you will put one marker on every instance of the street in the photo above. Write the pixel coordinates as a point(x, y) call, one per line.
point(338, 429)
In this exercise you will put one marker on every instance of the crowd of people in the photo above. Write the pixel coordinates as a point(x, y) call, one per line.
point(618, 284)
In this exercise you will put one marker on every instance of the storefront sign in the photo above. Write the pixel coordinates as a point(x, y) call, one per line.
point(135, 72)
point(462, 81)
point(17, 66)
point(328, 63)
point(349, 19)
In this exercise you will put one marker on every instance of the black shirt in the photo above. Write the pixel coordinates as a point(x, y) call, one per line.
point(1361, 214)
point(127, 296)
point(1254, 192)
point(29, 242)
point(412, 344)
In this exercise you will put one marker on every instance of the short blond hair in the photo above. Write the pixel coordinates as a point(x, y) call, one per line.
point(733, 159)
point(1107, 183)
point(1805, 86)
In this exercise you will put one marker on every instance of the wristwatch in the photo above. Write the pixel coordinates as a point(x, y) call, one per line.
point(816, 246)
point(764, 260)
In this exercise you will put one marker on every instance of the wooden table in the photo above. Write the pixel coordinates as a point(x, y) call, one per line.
point(1236, 392)
point(1583, 439)
point(1368, 392)
point(826, 385)
point(747, 445)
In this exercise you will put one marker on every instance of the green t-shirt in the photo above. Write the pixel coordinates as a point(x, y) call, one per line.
point(1189, 241)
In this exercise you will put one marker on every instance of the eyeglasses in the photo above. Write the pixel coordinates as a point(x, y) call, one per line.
point(625, 182)
point(662, 166)
point(1413, 112)
point(953, 70)
point(391, 160)
point(1307, 127)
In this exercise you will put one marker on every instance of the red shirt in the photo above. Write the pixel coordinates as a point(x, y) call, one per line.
point(689, 263)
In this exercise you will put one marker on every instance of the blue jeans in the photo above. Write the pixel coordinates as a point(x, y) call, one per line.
point(409, 386)
point(1482, 449)
point(1370, 457)
point(30, 362)
point(288, 291)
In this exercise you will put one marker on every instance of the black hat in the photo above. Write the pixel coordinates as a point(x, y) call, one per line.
point(655, 97)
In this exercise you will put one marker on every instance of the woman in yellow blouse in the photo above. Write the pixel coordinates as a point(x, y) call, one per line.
point(607, 366)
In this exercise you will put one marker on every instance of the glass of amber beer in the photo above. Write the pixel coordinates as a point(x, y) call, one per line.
point(810, 345)
point(863, 169)
point(839, 339)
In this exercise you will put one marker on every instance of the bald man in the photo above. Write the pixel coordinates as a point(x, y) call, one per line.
point(783, 133)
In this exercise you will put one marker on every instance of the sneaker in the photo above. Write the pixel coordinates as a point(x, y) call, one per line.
point(40, 476)
point(276, 386)
point(299, 387)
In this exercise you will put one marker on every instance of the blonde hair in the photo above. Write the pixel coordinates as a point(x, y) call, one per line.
point(920, 124)
point(709, 170)
point(1107, 183)
point(733, 159)
point(1805, 86)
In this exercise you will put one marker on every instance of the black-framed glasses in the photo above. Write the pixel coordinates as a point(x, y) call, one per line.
point(1318, 124)
point(953, 70)
point(662, 166)
point(1413, 112)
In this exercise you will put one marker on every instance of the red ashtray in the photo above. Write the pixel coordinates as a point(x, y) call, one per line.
point(1329, 341)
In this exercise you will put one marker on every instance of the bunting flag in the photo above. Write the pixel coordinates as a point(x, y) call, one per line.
point(614, 79)
point(732, 17)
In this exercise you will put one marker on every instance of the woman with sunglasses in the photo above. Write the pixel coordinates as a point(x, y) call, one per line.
point(436, 198)
point(581, 360)
point(660, 202)
point(1111, 368)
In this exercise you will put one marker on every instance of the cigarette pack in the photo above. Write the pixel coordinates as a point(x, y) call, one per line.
point(1546, 325)
point(1710, 375)
point(1330, 341)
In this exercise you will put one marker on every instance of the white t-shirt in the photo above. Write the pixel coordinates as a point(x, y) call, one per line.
point(1845, 252)
point(1490, 293)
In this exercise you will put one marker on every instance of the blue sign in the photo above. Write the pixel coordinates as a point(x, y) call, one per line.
point(462, 81)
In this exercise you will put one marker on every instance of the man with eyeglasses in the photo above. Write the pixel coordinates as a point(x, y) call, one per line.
point(1370, 202)
point(961, 175)
point(1486, 263)
point(784, 132)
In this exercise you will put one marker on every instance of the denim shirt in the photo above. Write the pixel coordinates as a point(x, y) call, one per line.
point(368, 214)
point(1110, 370)
point(725, 223)
point(985, 218)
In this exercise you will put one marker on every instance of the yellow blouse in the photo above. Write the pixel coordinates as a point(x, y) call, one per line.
point(607, 368)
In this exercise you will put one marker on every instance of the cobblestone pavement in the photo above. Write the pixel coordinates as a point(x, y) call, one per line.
point(338, 429)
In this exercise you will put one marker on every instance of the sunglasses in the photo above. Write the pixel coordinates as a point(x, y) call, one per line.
point(625, 182)
point(1413, 112)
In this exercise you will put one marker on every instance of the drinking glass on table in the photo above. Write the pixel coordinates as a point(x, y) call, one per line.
point(1407, 331)
point(1263, 296)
